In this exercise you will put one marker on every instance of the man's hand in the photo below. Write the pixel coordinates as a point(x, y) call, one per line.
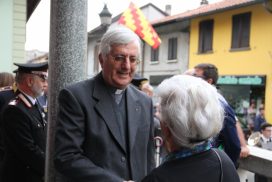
point(244, 151)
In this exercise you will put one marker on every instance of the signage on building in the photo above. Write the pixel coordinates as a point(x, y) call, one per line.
point(241, 80)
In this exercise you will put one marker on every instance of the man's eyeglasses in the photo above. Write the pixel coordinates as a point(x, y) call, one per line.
point(42, 75)
point(122, 58)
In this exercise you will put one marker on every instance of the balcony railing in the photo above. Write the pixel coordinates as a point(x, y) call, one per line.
point(259, 161)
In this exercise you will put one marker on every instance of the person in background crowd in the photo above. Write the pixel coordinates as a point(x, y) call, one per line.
point(105, 125)
point(266, 136)
point(251, 115)
point(6, 80)
point(138, 81)
point(243, 174)
point(143, 84)
point(147, 88)
point(24, 128)
point(42, 100)
point(260, 119)
point(7, 94)
point(190, 115)
point(228, 138)
point(265, 142)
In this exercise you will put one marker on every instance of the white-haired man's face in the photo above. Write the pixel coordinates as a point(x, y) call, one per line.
point(120, 65)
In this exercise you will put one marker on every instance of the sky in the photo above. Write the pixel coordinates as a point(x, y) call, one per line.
point(37, 27)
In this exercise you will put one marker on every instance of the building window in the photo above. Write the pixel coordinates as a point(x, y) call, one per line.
point(240, 30)
point(154, 55)
point(172, 48)
point(205, 36)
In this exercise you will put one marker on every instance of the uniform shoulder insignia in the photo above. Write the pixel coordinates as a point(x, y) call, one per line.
point(25, 101)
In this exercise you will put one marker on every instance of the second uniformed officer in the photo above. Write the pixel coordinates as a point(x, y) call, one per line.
point(24, 127)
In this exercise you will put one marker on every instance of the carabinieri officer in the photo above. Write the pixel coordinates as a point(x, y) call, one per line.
point(24, 126)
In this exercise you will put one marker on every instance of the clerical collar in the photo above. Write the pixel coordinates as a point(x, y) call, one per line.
point(119, 91)
point(112, 89)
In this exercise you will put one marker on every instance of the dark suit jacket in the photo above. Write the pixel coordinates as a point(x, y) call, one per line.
point(88, 141)
point(228, 136)
point(5, 97)
point(200, 167)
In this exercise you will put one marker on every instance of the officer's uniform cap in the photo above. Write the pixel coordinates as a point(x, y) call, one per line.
point(33, 68)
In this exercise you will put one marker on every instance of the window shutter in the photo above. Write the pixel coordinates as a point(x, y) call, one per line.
point(205, 36)
point(154, 54)
point(246, 29)
point(240, 30)
point(172, 48)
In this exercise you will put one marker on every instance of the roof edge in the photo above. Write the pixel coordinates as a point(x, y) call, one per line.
point(208, 13)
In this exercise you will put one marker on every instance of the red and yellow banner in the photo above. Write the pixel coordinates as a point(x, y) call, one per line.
point(134, 18)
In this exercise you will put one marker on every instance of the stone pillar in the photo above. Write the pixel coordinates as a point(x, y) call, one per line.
point(67, 59)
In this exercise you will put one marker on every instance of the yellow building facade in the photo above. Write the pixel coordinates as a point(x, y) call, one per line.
point(252, 66)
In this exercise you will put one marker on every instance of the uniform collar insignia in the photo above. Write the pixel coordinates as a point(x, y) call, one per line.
point(25, 101)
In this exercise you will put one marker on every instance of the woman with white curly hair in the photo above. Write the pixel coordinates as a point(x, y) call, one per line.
point(191, 115)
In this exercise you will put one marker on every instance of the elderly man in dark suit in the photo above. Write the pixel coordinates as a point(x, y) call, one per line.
point(104, 129)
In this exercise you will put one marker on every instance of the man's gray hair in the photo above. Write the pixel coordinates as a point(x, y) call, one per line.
point(118, 35)
point(20, 77)
point(191, 110)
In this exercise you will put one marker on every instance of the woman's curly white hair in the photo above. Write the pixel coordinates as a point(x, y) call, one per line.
point(191, 109)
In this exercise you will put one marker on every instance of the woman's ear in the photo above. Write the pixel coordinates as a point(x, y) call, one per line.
point(165, 130)
point(167, 137)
